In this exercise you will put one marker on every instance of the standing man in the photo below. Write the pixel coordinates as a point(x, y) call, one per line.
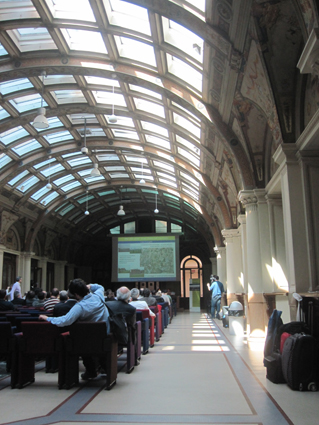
point(16, 287)
point(217, 289)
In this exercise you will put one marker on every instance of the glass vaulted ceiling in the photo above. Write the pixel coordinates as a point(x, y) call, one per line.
point(118, 58)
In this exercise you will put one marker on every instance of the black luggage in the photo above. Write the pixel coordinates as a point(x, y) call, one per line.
point(274, 368)
point(299, 362)
point(291, 328)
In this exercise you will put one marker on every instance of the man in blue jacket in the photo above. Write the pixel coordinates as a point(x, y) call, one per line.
point(217, 289)
point(90, 307)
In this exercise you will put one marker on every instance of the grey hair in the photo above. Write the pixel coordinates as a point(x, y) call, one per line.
point(123, 293)
point(135, 293)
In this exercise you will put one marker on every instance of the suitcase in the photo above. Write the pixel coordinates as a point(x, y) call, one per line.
point(299, 362)
point(274, 368)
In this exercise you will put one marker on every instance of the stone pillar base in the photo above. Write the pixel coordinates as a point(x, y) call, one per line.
point(257, 315)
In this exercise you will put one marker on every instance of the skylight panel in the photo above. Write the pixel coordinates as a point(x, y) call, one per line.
point(70, 186)
point(184, 39)
point(189, 156)
point(53, 169)
point(91, 179)
point(164, 144)
point(44, 163)
point(68, 155)
point(54, 122)
point(109, 98)
point(59, 79)
point(4, 160)
point(66, 209)
point(187, 125)
point(106, 192)
point(31, 39)
point(191, 146)
point(150, 107)
point(194, 117)
point(125, 134)
point(49, 198)
point(197, 7)
point(3, 51)
point(189, 191)
point(27, 147)
point(107, 157)
point(166, 176)
point(12, 135)
point(15, 85)
point(128, 15)
point(101, 81)
point(3, 113)
point(18, 177)
point(189, 179)
point(60, 136)
point(69, 96)
point(90, 41)
point(119, 175)
point(74, 9)
point(164, 166)
point(184, 72)
point(85, 198)
point(76, 162)
point(153, 128)
point(63, 180)
point(168, 182)
point(17, 10)
point(26, 184)
point(115, 168)
point(27, 103)
point(83, 173)
point(37, 195)
point(135, 50)
point(123, 121)
point(143, 90)
point(78, 119)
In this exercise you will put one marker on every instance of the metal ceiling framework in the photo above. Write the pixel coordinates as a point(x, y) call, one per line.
point(150, 62)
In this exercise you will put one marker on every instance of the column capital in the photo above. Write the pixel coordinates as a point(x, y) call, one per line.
point(27, 254)
point(220, 249)
point(247, 197)
point(242, 218)
point(230, 234)
point(286, 154)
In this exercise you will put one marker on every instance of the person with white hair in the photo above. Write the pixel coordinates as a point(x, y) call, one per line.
point(138, 303)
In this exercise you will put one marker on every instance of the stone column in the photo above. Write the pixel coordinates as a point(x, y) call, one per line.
point(25, 268)
point(213, 260)
point(257, 306)
point(221, 263)
point(234, 268)
point(59, 279)
point(2, 248)
point(43, 262)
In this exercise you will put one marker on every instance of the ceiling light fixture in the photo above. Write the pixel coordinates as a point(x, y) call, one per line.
point(142, 181)
point(156, 210)
point(49, 185)
point(40, 122)
point(87, 212)
point(84, 149)
point(95, 172)
point(112, 119)
point(121, 211)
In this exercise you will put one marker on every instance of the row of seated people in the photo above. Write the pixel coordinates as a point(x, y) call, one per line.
point(68, 347)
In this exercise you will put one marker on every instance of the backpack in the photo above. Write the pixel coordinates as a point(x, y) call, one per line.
point(118, 326)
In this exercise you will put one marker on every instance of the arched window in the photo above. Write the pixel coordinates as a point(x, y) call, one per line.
point(191, 268)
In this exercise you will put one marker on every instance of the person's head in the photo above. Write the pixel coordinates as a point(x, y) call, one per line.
point(78, 288)
point(212, 278)
point(3, 294)
point(41, 296)
point(109, 293)
point(63, 296)
point(164, 291)
point(216, 277)
point(30, 295)
point(147, 292)
point(135, 293)
point(159, 293)
point(19, 279)
point(123, 294)
point(16, 294)
point(37, 290)
point(55, 292)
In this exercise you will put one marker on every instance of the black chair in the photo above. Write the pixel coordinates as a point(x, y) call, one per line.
point(7, 344)
point(89, 339)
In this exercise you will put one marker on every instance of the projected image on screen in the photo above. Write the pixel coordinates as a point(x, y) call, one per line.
point(146, 258)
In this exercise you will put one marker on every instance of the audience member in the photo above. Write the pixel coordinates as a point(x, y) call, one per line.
point(158, 296)
point(139, 304)
point(148, 298)
point(29, 298)
point(17, 300)
point(90, 307)
point(16, 287)
point(67, 301)
point(39, 301)
point(167, 298)
point(5, 305)
point(109, 295)
point(49, 303)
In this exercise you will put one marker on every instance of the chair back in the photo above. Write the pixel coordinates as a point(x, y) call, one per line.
point(87, 337)
point(5, 337)
point(40, 337)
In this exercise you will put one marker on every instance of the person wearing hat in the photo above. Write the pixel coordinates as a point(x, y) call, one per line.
point(217, 289)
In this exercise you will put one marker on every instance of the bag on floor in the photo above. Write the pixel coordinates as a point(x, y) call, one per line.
point(274, 368)
point(299, 362)
point(283, 338)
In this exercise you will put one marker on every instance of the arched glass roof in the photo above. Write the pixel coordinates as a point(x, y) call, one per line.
point(100, 59)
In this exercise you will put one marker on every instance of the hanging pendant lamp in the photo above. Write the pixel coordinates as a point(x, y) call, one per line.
point(142, 181)
point(40, 122)
point(87, 212)
point(121, 211)
point(112, 118)
point(49, 185)
point(84, 149)
point(156, 211)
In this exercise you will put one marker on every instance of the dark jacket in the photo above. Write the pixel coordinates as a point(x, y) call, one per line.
point(7, 305)
point(149, 300)
point(127, 310)
point(62, 308)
